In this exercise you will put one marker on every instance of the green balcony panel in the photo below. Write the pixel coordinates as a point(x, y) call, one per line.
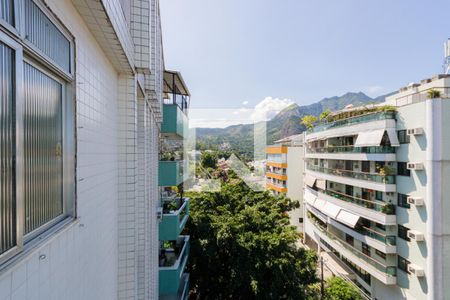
point(175, 122)
point(172, 281)
point(173, 222)
point(172, 173)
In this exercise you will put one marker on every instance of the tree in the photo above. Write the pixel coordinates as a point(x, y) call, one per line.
point(339, 289)
point(309, 121)
point(324, 115)
point(209, 159)
point(242, 246)
point(432, 94)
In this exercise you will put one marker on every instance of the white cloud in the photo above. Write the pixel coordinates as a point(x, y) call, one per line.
point(374, 90)
point(269, 108)
point(245, 103)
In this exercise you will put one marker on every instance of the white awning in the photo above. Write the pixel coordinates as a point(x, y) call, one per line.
point(369, 138)
point(321, 184)
point(320, 204)
point(310, 180)
point(392, 134)
point(310, 198)
point(331, 210)
point(347, 218)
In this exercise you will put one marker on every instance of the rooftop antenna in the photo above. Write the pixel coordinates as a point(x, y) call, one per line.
point(447, 57)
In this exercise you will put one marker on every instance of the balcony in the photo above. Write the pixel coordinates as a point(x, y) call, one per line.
point(173, 284)
point(174, 218)
point(377, 211)
point(376, 116)
point(384, 273)
point(352, 149)
point(373, 181)
point(172, 172)
point(277, 175)
point(385, 179)
point(175, 122)
point(276, 187)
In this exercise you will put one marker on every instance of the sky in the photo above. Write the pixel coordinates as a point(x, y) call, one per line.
point(258, 55)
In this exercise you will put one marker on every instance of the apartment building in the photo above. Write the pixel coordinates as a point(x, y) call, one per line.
point(284, 172)
point(375, 192)
point(81, 110)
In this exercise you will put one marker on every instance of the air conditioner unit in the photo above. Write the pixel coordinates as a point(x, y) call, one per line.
point(416, 270)
point(159, 213)
point(416, 235)
point(414, 131)
point(417, 201)
point(414, 166)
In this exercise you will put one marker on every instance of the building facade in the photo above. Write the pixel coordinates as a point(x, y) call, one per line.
point(81, 110)
point(284, 172)
point(375, 193)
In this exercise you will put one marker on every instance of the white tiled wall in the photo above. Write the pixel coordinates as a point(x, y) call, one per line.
point(111, 250)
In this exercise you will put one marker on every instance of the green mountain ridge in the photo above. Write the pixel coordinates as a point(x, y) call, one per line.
point(285, 123)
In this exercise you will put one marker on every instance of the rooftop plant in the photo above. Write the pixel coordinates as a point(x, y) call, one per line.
point(309, 121)
point(324, 115)
point(432, 94)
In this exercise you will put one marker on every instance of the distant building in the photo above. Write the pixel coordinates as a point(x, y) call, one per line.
point(376, 192)
point(284, 172)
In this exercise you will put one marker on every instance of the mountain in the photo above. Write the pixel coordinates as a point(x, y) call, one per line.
point(285, 123)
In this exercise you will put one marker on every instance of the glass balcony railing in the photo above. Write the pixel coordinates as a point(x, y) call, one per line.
point(355, 120)
point(174, 218)
point(175, 122)
point(386, 179)
point(352, 149)
point(383, 207)
point(172, 263)
point(388, 270)
point(172, 172)
point(386, 239)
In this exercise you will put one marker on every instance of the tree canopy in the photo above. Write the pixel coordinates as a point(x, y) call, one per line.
point(242, 246)
point(339, 289)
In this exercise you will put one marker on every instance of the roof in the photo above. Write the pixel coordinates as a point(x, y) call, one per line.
point(174, 83)
point(297, 138)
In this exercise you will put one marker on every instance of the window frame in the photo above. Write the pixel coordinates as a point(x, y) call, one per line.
point(26, 52)
point(18, 94)
point(404, 202)
point(403, 261)
point(406, 173)
point(403, 137)
point(402, 232)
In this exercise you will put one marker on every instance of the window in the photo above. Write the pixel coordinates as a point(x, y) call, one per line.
point(349, 239)
point(379, 195)
point(380, 226)
point(403, 138)
point(7, 11)
point(403, 264)
point(402, 201)
point(365, 166)
point(38, 193)
point(380, 254)
point(365, 249)
point(349, 190)
point(402, 169)
point(403, 232)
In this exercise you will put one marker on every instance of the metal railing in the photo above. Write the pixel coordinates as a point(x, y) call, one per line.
point(352, 149)
point(386, 239)
point(355, 120)
point(388, 270)
point(383, 207)
point(386, 179)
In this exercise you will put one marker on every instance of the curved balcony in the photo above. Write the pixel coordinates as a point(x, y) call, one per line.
point(355, 120)
point(373, 177)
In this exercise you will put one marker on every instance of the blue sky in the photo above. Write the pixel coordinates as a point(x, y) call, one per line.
point(235, 51)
